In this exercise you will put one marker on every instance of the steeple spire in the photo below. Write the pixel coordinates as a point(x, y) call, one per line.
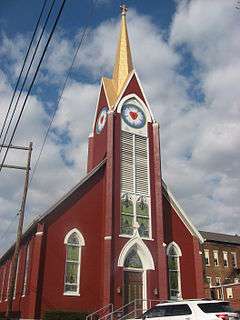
point(123, 63)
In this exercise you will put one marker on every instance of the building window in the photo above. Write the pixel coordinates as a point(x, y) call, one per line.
point(215, 258)
point(16, 278)
point(74, 241)
point(229, 293)
point(218, 281)
point(236, 280)
point(174, 272)
point(26, 270)
point(219, 294)
point(225, 259)
point(206, 257)
point(9, 275)
point(209, 281)
point(135, 197)
point(133, 260)
point(3, 281)
point(234, 259)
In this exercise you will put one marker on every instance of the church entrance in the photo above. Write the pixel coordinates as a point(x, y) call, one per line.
point(133, 283)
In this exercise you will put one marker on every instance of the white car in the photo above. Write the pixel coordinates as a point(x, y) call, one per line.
point(192, 310)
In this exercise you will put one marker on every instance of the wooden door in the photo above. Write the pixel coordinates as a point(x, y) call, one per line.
point(133, 288)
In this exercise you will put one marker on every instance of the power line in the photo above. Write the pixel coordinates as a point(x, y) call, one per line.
point(63, 88)
point(23, 66)
point(32, 83)
point(26, 75)
point(59, 99)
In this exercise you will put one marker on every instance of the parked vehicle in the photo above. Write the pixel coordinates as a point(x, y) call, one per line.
point(192, 310)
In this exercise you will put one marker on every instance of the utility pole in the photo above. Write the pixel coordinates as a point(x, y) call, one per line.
point(15, 257)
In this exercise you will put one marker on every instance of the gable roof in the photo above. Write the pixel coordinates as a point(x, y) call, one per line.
point(220, 237)
point(40, 219)
point(181, 213)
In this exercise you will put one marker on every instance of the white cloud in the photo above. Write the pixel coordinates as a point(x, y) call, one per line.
point(199, 139)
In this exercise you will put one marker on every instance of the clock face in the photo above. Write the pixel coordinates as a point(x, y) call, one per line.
point(101, 120)
point(133, 115)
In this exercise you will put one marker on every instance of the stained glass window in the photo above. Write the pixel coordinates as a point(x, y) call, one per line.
point(72, 267)
point(174, 273)
point(142, 217)
point(132, 260)
point(127, 215)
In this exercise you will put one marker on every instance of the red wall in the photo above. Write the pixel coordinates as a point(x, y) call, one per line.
point(86, 215)
point(176, 231)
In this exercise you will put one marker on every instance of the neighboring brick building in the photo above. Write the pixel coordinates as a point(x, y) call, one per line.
point(221, 266)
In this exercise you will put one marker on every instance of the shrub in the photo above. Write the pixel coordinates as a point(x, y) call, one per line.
point(64, 315)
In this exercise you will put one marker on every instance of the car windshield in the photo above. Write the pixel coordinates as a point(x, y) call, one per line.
point(215, 307)
point(167, 311)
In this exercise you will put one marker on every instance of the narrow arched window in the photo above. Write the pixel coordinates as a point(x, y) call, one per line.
point(74, 241)
point(173, 252)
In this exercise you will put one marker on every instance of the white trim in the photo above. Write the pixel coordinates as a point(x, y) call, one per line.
point(108, 238)
point(97, 105)
point(174, 244)
point(82, 241)
point(81, 244)
point(134, 96)
point(141, 88)
point(179, 254)
point(142, 250)
point(39, 233)
point(181, 213)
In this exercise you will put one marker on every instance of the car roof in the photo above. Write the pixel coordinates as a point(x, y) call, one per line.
point(191, 301)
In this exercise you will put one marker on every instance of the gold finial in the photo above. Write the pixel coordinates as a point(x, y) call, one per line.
point(124, 9)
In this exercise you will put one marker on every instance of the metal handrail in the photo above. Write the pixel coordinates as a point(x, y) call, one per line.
point(107, 307)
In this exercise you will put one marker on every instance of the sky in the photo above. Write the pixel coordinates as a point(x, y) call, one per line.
point(186, 54)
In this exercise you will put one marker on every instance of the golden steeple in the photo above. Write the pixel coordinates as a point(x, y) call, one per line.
point(123, 62)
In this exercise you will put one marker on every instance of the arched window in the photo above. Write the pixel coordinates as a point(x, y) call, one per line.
point(74, 241)
point(133, 260)
point(173, 252)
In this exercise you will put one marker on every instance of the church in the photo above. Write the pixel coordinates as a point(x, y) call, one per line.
point(119, 234)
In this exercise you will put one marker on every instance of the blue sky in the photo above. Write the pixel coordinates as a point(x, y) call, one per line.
point(186, 54)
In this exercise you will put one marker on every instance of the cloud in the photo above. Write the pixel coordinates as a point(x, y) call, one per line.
point(199, 138)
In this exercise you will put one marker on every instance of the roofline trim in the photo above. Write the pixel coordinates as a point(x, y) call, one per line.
point(181, 213)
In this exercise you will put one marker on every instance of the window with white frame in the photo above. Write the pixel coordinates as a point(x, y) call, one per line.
point(209, 281)
point(236, 280)
point(26, 270)
point(9, 275)
point(218, 281)
point(219, 294)
point(2, 284)
point(234, 259)
point(225, 258)
point(215, 258)
point(229, 293)
point(74, 242)
point(206, 257)
point(174, 274)
point(16, 279)
point(135, 198)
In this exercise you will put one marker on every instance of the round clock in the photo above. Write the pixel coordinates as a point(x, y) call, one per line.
point(133, 115)
point(101, 120)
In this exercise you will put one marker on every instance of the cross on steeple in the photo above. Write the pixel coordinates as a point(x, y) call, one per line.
point(124, 9)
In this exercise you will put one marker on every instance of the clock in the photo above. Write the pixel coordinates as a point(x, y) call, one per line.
point(101, 120)
point(133, 116)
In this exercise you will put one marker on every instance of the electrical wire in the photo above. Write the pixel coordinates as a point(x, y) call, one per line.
point(26, 75)
point(84, 33)
point(23, 66)
point(32, 83)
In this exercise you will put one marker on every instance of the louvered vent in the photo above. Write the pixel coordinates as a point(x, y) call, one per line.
point(141, 165)
point(127, 170)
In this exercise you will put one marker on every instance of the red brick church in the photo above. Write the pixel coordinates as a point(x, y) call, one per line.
point(119, 234)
